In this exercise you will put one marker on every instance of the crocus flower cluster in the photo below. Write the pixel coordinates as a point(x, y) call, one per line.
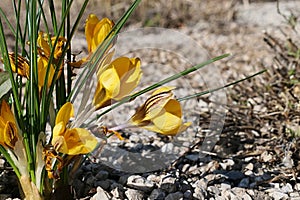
point(116, 79)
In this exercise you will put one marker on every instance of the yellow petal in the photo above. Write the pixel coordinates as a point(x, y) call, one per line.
point(59, 46)
point(80, 141)
point(42, 42)
point(59, 129)
point(109, 79)
point(101, 97)
point(60, 144)
point(90, 25)
point(42, 69)
point(65, 113)
point(6, 112)
point(130, 78)
point(101, 30)
point(10, 134)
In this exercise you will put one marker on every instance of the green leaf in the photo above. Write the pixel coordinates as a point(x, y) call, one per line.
point(5, 84)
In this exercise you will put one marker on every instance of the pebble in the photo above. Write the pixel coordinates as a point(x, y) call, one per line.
point(103, 184)
point(140, 183)
point(174, 196)
point(244, 183)
point(192, 157)
point(168, 184)
point(101, 195)
point(117, 193)
point(102, 175)
point(157, 194)
point(188, 195)
point(234, 175)
point(134, 194)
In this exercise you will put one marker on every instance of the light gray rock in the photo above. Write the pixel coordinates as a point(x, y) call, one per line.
point(101, 195)
point(134, 194)
point(117, 193)
point(140, 183)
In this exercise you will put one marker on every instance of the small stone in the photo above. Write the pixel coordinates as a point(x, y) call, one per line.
point(297, 187)
point(248, 159)
point(287, 188)
point(102, 175)
point(185, 186)
point(123, 179)
point(134, 194)
point(103, 184)
point(227, 163)
point(225, 186)
point(249, 166)
point(185, 167)
point(187, 195)
point(101, 195)
point(154, 178)
point(248, 173)
point(278, 195)
point(117, 193)
point(174, 196)
point(214, 190)
point(246, 197)
point(2, 162)
point(235, 175)
point(244, 183)
point(168, 184)
point(90, 180)
point(192, 157)
point(157, 194)
point(140, 183)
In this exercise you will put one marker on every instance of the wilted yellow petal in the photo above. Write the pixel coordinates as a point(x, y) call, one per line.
point(59, 46)
point(65, 113)
point(23, 67)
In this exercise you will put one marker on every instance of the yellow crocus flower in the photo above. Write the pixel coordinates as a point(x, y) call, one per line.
point(69, 140)
point(8, 127)
point(161, 113)
point(96, 30)
point(116, 80)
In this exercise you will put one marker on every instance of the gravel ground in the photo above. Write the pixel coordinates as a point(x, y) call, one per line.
point(256, 154)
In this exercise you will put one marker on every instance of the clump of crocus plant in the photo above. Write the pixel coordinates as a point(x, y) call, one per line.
point(40, 135)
